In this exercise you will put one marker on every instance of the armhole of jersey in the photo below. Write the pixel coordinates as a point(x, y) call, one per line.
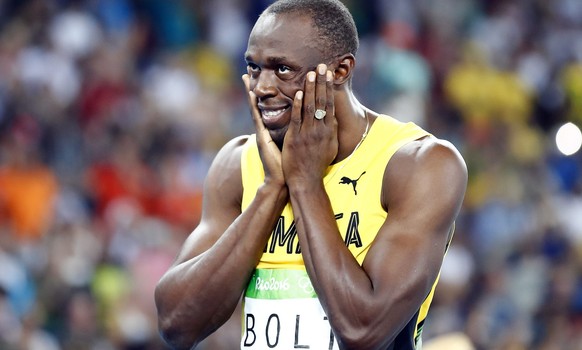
point(245, 163)
point(423, 312)
point(244, 159)
point(399, 133)
point(411, 132)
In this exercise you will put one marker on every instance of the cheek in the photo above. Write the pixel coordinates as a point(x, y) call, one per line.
point(291, 88)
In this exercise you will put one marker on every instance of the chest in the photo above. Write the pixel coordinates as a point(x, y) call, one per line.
point(355, 196)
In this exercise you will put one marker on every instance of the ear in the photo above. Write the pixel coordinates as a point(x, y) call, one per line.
point(344, 69)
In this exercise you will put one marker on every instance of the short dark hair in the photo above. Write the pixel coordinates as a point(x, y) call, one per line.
point(333, 20)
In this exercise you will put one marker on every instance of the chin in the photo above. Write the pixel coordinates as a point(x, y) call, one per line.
point(278, 137)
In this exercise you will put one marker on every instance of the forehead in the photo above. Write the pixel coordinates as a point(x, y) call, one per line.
point(284, 35)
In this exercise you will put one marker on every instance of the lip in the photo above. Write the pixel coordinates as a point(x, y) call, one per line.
point(274, 117)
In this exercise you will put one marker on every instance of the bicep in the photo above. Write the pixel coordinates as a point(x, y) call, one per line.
point(221, 203)
point(424, 186)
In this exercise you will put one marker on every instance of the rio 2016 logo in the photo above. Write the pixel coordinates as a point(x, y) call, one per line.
point(271, 284)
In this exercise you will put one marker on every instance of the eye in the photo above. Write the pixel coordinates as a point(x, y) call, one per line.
point(283, 69)
point(253, 69)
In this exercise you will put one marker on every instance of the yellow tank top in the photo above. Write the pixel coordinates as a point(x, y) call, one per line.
point(281, 310)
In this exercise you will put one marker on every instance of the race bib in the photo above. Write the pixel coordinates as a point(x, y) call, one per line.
point(282, 311)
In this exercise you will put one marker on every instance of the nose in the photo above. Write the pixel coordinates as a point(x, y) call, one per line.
point(265, 84)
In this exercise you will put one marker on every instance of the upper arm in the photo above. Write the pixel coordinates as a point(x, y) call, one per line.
point(221, 203)
point(423, 188)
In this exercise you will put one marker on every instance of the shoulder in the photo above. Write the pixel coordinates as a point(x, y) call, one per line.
point(424, 166)
point(235, 145)
point(224, 174)
point(230, 154)
point(430, 151)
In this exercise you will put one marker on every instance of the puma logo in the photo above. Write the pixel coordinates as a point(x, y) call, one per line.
point(346, 181)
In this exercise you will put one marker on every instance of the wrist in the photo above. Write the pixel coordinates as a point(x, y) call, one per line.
point(274, 183)
point(275, 187)
point(300, 186)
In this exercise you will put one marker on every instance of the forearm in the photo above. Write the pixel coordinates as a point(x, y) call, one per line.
point(336, 275)
point(199, 294)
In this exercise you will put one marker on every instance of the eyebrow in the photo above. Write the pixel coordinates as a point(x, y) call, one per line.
point(270, 60)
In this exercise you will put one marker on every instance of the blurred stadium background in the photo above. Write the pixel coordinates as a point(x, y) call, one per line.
point(111, 111)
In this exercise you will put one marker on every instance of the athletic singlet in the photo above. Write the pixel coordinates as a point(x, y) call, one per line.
point(281, 309)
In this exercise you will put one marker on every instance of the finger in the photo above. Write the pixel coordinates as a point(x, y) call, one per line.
point(309, 100)
point(245, 79)
point(321, 88)
point(329, 104)
point(252, 98)
point(295, 124)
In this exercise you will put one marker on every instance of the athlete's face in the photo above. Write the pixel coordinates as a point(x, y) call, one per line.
point(281, 50)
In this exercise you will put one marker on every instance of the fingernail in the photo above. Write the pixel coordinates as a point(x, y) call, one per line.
point(299, 95)
point(311, 76)
point(329, 75)
point(321, 69)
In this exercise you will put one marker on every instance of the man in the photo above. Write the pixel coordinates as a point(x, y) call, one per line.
point(331, 222)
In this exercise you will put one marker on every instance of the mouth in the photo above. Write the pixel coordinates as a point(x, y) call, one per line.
point(274, 118)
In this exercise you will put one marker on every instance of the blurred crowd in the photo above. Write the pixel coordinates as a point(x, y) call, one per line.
point(112, 110)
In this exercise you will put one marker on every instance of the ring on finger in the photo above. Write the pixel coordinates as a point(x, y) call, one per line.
point(319, 114)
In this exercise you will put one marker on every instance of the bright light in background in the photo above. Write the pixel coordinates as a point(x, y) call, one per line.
point(569, 139)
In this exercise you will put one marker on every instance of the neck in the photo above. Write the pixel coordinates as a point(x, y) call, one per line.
point(353, 120)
